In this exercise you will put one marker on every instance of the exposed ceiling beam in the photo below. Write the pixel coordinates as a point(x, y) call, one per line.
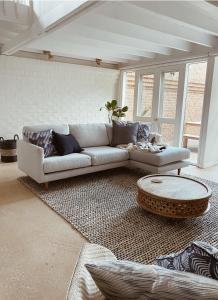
point(145, 18)
point(80, 56)
point(65, 59)
point(197, 54)
point(74, 49)
point(85, 41)
point(115, 38)
point(184, 12)
point(116, 26)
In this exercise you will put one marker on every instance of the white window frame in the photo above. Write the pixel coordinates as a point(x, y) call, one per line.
point(157, 103)
point(182, 91)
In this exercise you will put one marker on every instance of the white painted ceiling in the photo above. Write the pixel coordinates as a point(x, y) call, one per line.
point(131, 32)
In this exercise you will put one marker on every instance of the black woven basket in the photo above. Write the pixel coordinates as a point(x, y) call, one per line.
point(8, 149)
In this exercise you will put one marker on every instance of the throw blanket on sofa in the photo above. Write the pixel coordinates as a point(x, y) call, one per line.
point(145, 147)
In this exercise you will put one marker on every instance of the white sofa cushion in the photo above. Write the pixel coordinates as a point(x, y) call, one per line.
point(105, 155)
point(61, 128)
point(67, 162)
point(90, 135)
point(171, 154)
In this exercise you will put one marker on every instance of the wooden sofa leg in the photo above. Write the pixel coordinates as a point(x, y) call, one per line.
point(179, 171)
point(46, 186)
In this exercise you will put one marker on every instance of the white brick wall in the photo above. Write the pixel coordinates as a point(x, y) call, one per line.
point(41, 92)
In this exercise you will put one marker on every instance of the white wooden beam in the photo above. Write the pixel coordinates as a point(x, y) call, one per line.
point(116, 26)
point(135, 15)
point(64, 59)
point(109, 59)
point(185, 12)
point(171, 60)
point(85, 41)
point(115, 38)
point(74, 49)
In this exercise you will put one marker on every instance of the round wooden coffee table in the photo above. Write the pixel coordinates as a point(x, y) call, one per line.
point(173, 196)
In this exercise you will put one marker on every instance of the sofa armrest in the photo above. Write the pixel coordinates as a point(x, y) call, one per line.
point(30, 160)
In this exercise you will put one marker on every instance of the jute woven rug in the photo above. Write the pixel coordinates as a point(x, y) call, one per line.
point(103, 208)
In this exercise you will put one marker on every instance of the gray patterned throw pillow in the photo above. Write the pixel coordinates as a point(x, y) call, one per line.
point(143, 132)
point(124, 280)
point(199, 258)
point(42, 139)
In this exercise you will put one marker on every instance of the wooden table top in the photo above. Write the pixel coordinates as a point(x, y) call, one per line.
point(174, 187)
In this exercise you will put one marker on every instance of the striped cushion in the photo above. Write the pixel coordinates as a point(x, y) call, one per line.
point(82, 286)
point(130, 281)
point(43, 139)
point(199, 258)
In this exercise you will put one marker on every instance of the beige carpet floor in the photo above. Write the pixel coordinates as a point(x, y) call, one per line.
point(38, 249)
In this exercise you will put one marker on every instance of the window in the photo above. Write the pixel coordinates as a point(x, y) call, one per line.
point(145, 103)
point(128, 94)
point(160, 100)
point(170, 88)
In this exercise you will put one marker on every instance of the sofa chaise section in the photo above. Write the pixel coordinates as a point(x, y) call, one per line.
point(169, 155)
point(170, 159)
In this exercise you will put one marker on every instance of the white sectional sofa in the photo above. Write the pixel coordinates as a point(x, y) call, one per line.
point(97, 155)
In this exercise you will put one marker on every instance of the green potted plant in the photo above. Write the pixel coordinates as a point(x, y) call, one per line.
point(114, 111)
